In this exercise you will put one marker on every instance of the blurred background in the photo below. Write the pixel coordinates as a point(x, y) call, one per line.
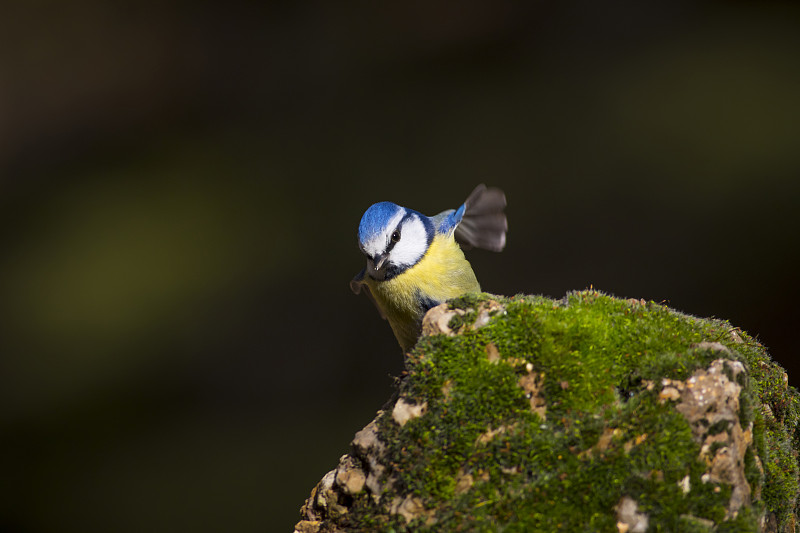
point(181, 182)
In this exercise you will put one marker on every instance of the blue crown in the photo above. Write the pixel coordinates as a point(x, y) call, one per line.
point(375, 219)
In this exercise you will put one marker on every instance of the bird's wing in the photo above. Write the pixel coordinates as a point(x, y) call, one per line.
point(357, 285)
point(479, 222)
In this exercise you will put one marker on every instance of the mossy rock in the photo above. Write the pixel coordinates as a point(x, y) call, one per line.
point(589, 413)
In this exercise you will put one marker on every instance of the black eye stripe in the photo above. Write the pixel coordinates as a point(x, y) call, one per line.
point(394, 238)
point(392, 242)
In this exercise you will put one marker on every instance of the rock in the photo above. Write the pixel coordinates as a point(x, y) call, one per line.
point(484, 438)
point(533, 383)
point(492, 354)
point(710, 403)
point(411, 508)
point(464, 482)
point(367, 439)
point(349, 476)
point(307, 526)
point(404, 411)
point(586, 413)
point(629, 519)
point(685, 485)
point(368, 446)
point(437, 320)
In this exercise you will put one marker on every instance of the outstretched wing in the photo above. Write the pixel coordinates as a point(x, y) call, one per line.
point(357, 285)
point(479, 222)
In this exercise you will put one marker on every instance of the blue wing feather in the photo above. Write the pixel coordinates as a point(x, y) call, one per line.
point(447, 221)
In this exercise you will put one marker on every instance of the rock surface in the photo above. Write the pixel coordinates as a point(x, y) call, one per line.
point(586, 413)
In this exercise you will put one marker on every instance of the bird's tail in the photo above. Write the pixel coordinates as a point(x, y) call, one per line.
point(483, 224)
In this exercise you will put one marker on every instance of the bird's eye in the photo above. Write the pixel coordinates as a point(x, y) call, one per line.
point(395, 236)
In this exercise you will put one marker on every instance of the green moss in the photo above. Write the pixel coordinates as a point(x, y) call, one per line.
point(470, 301)
point(606, 433)
point(780, 491)
point(719, 427)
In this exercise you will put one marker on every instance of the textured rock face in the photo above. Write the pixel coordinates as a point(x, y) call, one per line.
point(710, 403)
point(588, 413)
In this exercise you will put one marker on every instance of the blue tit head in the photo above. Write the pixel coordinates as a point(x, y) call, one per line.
point(393, 238)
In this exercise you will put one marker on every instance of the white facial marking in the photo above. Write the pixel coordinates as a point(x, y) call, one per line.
point(412, 244)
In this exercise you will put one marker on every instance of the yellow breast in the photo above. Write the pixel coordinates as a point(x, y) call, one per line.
point(443, 273)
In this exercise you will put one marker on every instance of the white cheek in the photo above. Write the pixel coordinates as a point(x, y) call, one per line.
point(412, 244)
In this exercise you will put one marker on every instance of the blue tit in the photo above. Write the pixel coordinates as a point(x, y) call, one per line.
point(414, 262)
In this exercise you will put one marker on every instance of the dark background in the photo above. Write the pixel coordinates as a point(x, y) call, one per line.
point(182, 182)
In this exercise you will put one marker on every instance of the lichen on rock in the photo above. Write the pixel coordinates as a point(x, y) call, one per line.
point(710, 403)
point(588, 413)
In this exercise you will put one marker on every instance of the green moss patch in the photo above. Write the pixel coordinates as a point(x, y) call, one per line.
point(573, 415)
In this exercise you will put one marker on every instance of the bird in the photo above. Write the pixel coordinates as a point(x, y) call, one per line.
point(416, 262)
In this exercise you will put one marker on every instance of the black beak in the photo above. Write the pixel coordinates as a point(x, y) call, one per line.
point(374, 265)
point(379, 260)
